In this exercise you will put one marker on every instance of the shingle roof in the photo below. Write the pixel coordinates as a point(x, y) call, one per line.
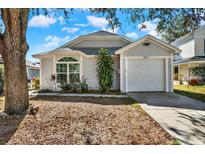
point(191, 59)
point(94, 51)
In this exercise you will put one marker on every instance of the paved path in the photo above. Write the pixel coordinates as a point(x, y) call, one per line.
point(182, 117)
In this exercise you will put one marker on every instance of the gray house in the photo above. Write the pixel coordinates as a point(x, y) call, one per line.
point(143, 65)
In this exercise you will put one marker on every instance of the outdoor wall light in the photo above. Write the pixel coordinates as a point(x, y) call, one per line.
point(146, 43)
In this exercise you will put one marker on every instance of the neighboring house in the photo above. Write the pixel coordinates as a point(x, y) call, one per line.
point(32, 70)
point(31, 67)
point(192, 55)
point(144, 65)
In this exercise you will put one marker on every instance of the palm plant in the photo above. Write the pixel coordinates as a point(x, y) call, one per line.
point(105, 69)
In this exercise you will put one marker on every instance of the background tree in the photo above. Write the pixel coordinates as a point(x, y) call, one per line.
point(105, 70)
point(171, 24)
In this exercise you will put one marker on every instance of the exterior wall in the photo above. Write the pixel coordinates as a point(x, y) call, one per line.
point(100, 43)
point(123, 74)
point(88, 70)
point(152, 50)
point(116, 81)
point(199, 46)
point(199, 42)
point(188, 49)
point(32, 72)
point(169, 75)
point(46, 72)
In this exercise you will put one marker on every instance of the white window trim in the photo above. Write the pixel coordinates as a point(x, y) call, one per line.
point(68, 63)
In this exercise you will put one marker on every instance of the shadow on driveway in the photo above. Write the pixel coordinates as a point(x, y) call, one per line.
point(168, 100)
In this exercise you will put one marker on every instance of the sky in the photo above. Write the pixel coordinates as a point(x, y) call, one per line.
point(46, 33)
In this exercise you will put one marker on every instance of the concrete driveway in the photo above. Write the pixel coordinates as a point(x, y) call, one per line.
point(182, 117)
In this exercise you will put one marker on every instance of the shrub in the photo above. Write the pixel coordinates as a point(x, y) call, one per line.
point(75, 87)
point(105, 69)
point(66, 87)
point(199, 71)
point(35, 83)
point(83, 85)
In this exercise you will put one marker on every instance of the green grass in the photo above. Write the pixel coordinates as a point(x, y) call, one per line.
point(176, 142)
point(195, 92)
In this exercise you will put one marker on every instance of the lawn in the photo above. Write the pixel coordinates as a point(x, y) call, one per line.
point(75, 120)
point(196, 92)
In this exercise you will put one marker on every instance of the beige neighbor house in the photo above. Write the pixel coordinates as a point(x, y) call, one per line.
point(192, 55)
point(144, 65)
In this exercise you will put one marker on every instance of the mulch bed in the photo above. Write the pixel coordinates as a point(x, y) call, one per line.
point(60, 121)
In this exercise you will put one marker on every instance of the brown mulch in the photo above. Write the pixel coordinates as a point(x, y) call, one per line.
point(61, 122)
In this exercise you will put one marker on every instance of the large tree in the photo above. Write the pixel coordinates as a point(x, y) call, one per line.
point(172, 23)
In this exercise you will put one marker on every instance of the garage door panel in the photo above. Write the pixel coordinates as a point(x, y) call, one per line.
point(145, 75)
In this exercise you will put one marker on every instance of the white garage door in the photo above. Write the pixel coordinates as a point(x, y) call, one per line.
point(146, 75)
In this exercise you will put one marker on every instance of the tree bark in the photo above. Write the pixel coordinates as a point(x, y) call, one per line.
point(16, 86)
point(14, 49)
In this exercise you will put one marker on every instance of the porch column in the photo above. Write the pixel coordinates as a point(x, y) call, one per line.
point(188, 71)
point(166, 69)
point(54, 70)
point(41, 79)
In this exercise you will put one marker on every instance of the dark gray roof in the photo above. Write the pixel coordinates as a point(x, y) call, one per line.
point(94, 51)
point(191, 59)
point(31, 64)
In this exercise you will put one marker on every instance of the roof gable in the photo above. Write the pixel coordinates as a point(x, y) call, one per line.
point(152, 39)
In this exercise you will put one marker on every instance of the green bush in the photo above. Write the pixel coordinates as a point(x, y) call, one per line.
point(75, 87)
point(35, 83)
point(84, 85)
point(66, 87)
point(199, 71)
point(105, 69)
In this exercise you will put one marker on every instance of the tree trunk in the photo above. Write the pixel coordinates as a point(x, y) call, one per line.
point(16, 86)
point(14, 48)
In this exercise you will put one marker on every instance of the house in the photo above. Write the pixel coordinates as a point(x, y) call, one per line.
point(31, 67)
point(192, 55)
point(144, 65)
point(32, 70)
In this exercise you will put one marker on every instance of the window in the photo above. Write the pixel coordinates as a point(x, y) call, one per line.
point(67, 59)
point(68, 70)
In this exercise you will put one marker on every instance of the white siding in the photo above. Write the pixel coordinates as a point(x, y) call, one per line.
point(100, 43)
point(169, 75)
point(152, 50)
point(123, 89)
point(47, 71)
point(89, 71)
point(188, 49)
point(199, 46)
point(157, 56)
